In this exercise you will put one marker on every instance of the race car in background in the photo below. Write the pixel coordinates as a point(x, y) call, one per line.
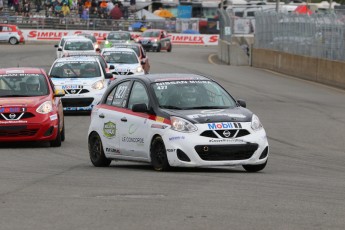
point(155, 40)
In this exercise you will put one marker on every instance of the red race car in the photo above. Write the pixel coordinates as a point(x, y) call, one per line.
point(30, 108)
point(155, 40)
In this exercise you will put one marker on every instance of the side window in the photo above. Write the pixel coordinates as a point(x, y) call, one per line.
point(138, 95)
point(117, 95)
point(143, 52)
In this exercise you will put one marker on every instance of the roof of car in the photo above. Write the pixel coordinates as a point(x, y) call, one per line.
point(161, 77)
point(21, 70)
point(116, 49)
point(76, 58)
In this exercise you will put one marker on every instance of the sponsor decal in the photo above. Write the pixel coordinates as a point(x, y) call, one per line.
point(157, 126)
point(12, 110)
point(138, 140)
point(72, 87)
point(176, 138)
point(109, 129)
point(187, 39)
point(112, 150)
point(160, 119)
point(12, 122)
point(132, 129)
point(222, 125)
point(171, 150)
point(47, 35)
point(53, 117)
point(227, 141)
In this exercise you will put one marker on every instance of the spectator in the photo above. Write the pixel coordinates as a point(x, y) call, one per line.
point(38, 4)
point(65, 10)
point(26, 8)
point(85, 14)
point(80, 8)
point(115, 13)
point(16, 6)
point(87, 4)
point(1, 5)
point(110, 6)
point(57, 9)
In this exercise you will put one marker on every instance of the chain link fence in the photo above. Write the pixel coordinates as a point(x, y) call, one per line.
point(317, 35)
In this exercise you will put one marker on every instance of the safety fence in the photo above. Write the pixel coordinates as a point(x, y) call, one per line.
point(316, 35)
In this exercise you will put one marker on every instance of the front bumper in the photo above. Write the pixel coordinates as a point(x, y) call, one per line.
point(26, 130)
point(193, 150)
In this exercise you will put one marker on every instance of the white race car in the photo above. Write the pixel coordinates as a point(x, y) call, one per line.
point(181, 120)
point(82, 79)
point(123, 61)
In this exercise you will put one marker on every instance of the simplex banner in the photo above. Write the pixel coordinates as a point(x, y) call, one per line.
point(180, 39)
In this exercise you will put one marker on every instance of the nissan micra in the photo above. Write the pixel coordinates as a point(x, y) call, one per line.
point(82, 79)
point(175, 120)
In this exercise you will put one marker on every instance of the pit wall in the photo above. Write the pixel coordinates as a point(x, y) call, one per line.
point(313, 69)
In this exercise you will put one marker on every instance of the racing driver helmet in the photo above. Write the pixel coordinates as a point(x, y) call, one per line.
point(32, 84)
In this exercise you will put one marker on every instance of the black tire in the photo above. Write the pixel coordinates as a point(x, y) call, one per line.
point(13, 41)
point(170, 48)
point(254, 168)
point(96, 152)
point(57, 141)
point(159, 159)
point(158, 49)
point(63, 131)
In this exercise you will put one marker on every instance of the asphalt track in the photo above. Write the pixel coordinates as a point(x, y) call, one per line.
point(302, 187)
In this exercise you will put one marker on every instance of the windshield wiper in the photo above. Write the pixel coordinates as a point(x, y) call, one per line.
point(15, 95)
point(55, 76)
point(207, 107)
point(170, 107)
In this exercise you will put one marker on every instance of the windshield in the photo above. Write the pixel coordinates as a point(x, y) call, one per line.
point(121, 57)
point(135, 48)
point(119, 36)
point(23, 85)
point(192, 95)
point(75, 69)
point(78, 45)
point(150, 34)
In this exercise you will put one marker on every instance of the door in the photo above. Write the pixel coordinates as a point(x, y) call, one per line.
point(110, 116)
point(135, 127)
point(4, 34)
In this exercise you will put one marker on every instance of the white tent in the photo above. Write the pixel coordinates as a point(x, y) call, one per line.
point(148, 15)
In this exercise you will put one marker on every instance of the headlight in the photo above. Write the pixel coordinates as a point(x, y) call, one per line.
point(98, 85)
point(139, 69)
point(155, 40)
point(256, 124)
point(96, 46)
point(182, 125)
point(106, 42)
point(45, 107)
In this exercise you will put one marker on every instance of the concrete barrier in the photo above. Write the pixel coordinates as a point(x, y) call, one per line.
point(314, 69)
point(232, 53)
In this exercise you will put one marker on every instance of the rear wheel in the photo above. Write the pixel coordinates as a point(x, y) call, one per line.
point(170, 48)
point(13, 41)
point(254, 168)
point(97, 157)
point(159, 159)
point(158, 49)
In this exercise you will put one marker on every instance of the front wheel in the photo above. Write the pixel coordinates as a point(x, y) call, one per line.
point(159, 159)
point(13, 41)
point(96, 152)
point(170, 48)
point(254, 168)
point(57, 141)
point(158, 49)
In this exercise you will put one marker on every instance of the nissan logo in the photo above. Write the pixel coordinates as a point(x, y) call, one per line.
point(226, 133)
point(73, 91)
point(12, 116)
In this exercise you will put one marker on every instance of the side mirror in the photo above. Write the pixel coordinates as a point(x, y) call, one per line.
point(111, 67)
point(108, 75)
point(143, 62)
point(140, 108)
point(242, 103)
point(104, 38)
point(98, 49)
point(56, 45)
point(59, 49)
point(59, 93)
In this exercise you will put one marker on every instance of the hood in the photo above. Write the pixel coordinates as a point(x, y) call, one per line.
point(76, 81)
point(124, 67)
point(202, 116)
point(23, 102)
